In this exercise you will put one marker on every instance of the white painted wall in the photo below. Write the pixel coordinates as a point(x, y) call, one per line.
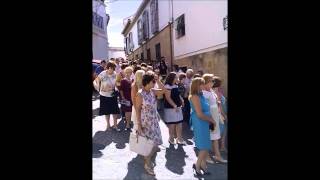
point(164, 13)
point(116, 54)
point(99, 36)
point(203, 26)
point(134, 31)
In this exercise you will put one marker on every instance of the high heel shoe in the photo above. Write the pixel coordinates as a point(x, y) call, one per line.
point(195, 169)
point(205, 172)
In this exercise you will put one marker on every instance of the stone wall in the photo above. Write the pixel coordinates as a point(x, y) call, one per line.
point(215, 62)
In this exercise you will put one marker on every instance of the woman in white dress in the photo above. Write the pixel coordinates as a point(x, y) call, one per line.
point(211, 97)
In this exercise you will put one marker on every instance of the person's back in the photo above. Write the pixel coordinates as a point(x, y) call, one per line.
point(100, 68)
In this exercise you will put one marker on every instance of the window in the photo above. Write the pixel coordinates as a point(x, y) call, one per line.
point(142, 57)
point(130, 42)
point(148, 54)
point(225, 23)
point(154, 16)
point(145, 25)
point(158, 52)
point(140, 33)
point(137, 56)
point(126, 45)
point(97, 20)
point(180, 26)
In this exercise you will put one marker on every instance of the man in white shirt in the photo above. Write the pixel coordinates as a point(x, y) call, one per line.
point(187, 84)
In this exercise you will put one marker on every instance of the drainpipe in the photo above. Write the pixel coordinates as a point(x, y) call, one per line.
point(171, 32)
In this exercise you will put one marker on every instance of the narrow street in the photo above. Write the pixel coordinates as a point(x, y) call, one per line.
point(112, 158)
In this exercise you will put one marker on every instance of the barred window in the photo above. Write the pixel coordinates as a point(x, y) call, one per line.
point(154, 16)
point(145, 25)
point(180, 26)
point(140, 33)
point(225, 23)
point(97, 20)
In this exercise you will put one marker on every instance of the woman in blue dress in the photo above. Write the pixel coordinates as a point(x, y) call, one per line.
point(200, 119)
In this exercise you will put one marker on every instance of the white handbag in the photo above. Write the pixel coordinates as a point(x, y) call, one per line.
point(140, 144)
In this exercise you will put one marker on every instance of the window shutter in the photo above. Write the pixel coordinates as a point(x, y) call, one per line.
point(154, 16)
point(145, 21)
point(139, 32)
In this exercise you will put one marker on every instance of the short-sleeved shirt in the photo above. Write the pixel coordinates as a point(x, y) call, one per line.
point(107, 83)
point(187, 84)
point(175, 96)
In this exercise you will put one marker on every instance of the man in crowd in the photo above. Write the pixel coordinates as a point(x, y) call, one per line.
point(187, 83)
point(101, 68)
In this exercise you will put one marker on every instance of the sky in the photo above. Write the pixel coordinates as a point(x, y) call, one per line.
point(118, 10)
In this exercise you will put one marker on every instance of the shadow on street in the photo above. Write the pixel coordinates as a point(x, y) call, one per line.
point(102, 139)
point(175, 159)
point(136, 170)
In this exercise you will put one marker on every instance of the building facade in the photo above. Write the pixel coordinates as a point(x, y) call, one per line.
point(116, 52)
point(200, 36)
point(99, 30)
point(191, 34)
point(147, 32)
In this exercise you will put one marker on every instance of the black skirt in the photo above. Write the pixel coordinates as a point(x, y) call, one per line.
point(108, 105)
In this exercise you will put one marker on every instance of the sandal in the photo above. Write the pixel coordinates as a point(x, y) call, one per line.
point(223, 161)
point(205, 171)
point(182, 142)
point(116, 129)
point(210, 161)
point(149, 170)
point(171, 141)
point(197, 172)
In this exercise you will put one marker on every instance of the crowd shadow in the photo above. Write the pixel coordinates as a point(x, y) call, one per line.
point(136, 170)
point(187, 133)
point(102, 139)
point(95, 95)
point(175, 159)
point(95, 112)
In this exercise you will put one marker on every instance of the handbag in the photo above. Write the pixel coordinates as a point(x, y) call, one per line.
point(140, 144)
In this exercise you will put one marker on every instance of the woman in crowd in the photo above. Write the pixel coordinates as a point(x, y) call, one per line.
point(149, 68)
point(159, 98)
point(173, 109)
point(125, 92)
point(136, 86)
point(147, 118)
point(201, 118)
point(222, 107)
point(187, 82)
point(181, 86)
point(215, 135)
point(105, 83)
point(119, 77)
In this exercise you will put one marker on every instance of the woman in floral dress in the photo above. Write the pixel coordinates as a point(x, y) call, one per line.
point(147, 117)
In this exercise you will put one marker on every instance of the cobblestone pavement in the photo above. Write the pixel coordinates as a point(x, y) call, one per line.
point(112, 158)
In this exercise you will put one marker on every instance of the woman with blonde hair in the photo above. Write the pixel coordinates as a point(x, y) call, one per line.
point(215, 134)
point(125, 94)
point(135, 87)
point(201, 119)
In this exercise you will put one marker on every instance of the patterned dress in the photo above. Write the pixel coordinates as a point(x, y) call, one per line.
point(149, 117)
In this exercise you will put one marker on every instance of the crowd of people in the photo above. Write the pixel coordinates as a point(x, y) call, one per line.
point(145, 90)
